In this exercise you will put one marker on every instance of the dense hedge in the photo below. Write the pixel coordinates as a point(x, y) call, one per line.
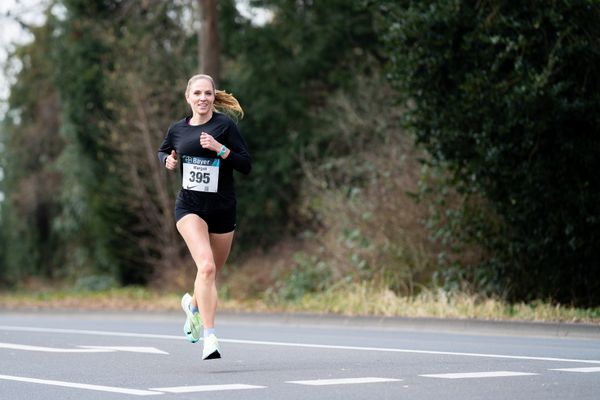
point(507, 94)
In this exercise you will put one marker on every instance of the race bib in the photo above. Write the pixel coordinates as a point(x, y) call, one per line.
point(200, 174)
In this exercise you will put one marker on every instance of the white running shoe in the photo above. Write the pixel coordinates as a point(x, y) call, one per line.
point(211, 348)
point(193, 323)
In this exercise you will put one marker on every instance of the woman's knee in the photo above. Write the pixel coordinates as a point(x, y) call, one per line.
point(206, 269)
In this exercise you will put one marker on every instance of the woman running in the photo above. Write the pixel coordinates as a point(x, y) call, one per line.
point(209, 146)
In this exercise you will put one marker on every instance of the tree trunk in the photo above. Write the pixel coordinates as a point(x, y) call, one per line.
point(208, 39)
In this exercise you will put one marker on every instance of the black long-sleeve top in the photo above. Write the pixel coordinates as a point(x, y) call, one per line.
point(185, 140)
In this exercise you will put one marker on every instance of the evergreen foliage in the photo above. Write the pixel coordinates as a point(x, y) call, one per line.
point(283, 72)
point(29, 149)
point(150, 87)
point(506, 95)
point(92, 217)
point(112, 61)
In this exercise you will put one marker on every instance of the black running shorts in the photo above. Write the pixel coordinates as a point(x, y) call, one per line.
point(220, 221)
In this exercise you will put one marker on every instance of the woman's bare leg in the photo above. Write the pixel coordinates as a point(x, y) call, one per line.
point(210, 252)
point(194, 231)
point(220, 244)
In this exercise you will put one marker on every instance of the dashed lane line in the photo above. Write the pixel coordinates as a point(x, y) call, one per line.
point(100, 388)
point(344, 381)
point(315, 382)
point(302, 345)
point(207, 388)
point(14, 346)
point(588, 369)
point(82, 349)
point(470, 375)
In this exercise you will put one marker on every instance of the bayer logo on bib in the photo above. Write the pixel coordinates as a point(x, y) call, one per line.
point(200, 174)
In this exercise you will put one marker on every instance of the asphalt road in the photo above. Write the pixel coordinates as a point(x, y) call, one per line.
point(46, 355)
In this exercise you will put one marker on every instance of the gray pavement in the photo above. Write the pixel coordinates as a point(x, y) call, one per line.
point(79, 355)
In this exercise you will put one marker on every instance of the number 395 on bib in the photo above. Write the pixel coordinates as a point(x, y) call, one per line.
point(200, 174)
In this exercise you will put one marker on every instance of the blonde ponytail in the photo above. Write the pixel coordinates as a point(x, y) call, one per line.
point(224, 102)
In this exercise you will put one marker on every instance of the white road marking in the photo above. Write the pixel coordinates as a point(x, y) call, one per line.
point(345, 381)
point(467, 375)
point(588, 369)
point(13, 346)
point(82, 349)
point(136, 392)
point(207, 388)
point(89, 332)
point(411, 351)
point(291, 344)
point(131, 349)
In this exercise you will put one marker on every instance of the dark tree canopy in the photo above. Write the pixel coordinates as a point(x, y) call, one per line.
point(507, 95)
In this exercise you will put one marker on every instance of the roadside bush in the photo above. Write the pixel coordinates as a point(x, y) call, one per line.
point(307, 275)
point(355, 195)
point(506, 94)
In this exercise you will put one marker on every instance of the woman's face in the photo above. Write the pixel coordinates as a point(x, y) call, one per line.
point(201, 97)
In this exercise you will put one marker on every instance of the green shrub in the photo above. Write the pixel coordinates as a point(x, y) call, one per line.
point(506, 94)
point(308, 275)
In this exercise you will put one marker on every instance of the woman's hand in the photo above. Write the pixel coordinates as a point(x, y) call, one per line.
point(171, 162)
point(209, 142)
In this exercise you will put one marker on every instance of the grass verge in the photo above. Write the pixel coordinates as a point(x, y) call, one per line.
point(364, 299)
point(356, 300)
